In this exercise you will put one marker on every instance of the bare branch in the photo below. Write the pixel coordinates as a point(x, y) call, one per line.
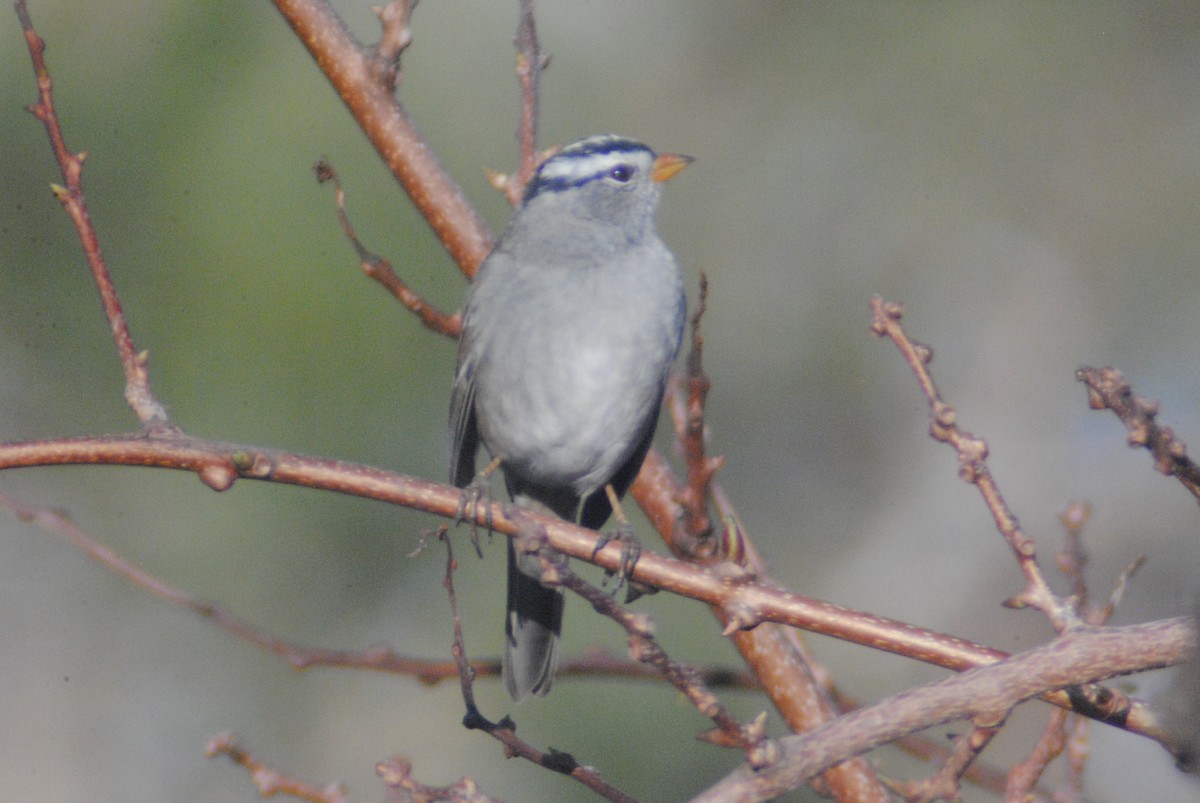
point(220, 465)
point(397, 775)
point(1083, 654)
point(530, 63)
point(368, 96)
point(272, 782)
point(1024, 775)
point(1108, 389)
point(379, 269)
point(687, 397)
point(395, 36)
point(645, 648)
point(946, 782)
point(505, 731)
point(151, 414)
point(972, 459)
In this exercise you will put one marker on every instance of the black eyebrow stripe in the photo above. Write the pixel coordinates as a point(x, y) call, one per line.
point(540, 184)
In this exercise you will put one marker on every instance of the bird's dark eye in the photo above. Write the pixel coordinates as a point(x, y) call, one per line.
point(621, 173)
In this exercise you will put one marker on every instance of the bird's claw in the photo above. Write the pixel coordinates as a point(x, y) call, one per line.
point(631, 550)
point(478, 490)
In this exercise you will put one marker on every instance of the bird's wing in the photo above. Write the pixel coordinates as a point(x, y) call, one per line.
point(464, 433)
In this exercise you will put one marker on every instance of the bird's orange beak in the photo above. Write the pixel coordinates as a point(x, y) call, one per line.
point(667, 165)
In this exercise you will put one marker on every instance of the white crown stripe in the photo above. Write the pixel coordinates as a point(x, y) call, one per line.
point(568, 165)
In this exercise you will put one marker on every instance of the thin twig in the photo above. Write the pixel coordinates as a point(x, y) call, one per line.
point(1109, 390)
point(688, 410)
point(379, 269)
point(269, 781)
point(151, 413)
point(972, 459)
point(395, 35)
point(645, 648)
point(1083, 654)
point(505, 731)
point(397, 774)
point(1024, 775)
point(775, 654)
point(530, 63)
point(1072, 560)
point(220, 465)
point(379, 658)
point(351, 70)
point(945, 784)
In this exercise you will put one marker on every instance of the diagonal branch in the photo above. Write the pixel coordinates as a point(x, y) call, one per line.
point(380, 269)
point(219, 465)
point(505, 731)
point(151, 414)
point(1107, 388)
point(775, 654)
point(1087, 654)
point(973, 468)
point(368, 95)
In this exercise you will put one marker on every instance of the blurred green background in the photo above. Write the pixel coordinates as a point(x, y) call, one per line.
point(1024, 176)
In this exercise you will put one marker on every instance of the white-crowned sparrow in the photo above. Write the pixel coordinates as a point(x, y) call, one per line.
point(570, 329)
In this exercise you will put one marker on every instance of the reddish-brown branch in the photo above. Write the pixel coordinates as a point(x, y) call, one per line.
point(1084, 653)
point(593, 663)
point(395, 35)
point(220, 465)
point(972, 459)
point(396, 774)
point(1077, 752)
point(1024, 775)
point(272, 782)
point(530, 63)
point(646, 649)
point(1108, 389)
point(379, 269)
point(688, 411)
point(505, 731)
point(151, 414)
point(945, 784)
point(775, 654)
point(1063, 613)
point(368, 95)
point(1072, 560)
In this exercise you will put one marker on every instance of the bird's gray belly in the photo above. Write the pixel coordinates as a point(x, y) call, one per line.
point(571, 415)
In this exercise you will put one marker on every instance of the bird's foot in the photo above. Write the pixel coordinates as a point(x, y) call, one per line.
point(631, 550)
point(477, 491)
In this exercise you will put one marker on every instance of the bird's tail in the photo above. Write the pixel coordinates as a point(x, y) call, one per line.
point(531, 629)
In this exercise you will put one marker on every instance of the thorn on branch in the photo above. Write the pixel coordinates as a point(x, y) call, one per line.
point(740, 616)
